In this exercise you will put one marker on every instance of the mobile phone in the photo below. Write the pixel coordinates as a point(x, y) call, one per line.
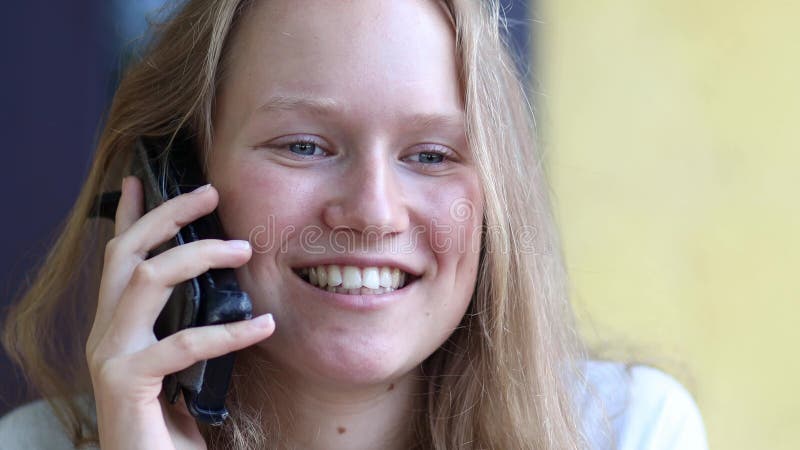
point(209, 299)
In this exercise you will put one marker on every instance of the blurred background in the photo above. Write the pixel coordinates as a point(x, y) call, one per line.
point(673, 143)
point(669, 138)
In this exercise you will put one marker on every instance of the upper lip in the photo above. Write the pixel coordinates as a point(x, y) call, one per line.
point(358, 261)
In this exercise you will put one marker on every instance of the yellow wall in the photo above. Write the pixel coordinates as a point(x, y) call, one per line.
point(672, 132)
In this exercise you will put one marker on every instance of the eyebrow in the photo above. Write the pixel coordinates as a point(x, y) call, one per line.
point(324, 106)
point(317, 105)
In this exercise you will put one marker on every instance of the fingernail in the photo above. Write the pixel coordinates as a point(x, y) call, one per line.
point(202, 189)
point(238, 244)
point(263, 321)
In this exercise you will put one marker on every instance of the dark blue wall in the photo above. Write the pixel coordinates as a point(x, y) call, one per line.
point(54, 87)
point(57, 71)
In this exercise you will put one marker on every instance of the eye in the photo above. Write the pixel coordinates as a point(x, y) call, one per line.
point(297, 147)
point(432, 158)
point(305, 148)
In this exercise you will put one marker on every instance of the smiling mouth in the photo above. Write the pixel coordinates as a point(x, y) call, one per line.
point(354, 280)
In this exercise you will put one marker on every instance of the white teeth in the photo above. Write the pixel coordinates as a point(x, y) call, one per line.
point(371, 278)
point(322, 276)
point(386, 277)
point(334, 276)
point(351, 277)
point(355, 280)
point(361, 291)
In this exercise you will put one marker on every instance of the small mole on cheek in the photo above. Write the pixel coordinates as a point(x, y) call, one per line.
point(391, 386)
point(427, 314)
point(341, 430)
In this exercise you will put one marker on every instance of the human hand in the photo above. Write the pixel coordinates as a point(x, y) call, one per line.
point(126, 362)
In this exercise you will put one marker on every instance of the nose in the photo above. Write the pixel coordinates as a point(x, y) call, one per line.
point(368, 199)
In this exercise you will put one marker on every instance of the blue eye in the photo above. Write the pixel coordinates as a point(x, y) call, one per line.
point(431, 157)
point(305, 148)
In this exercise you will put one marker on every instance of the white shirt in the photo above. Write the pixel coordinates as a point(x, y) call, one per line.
point(637, 408)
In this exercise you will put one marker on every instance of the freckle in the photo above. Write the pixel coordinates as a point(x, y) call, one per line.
point(391, 386)
point(341, 430)
point(427, 314)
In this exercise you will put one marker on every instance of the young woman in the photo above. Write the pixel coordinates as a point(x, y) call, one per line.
point(430, 310)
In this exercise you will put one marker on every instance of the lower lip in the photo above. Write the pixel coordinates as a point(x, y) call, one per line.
point(356, 302)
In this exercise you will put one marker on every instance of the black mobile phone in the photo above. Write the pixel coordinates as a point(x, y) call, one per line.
point(209, 299)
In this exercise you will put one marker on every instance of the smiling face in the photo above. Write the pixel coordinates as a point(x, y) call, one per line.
point(340, 152)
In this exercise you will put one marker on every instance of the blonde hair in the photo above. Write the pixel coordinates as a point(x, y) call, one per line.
point(504, 379)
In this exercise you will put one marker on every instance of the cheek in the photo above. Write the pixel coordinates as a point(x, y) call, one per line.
point(454, 214)
point(262, 205)
point(267, 207)
point(453, 217)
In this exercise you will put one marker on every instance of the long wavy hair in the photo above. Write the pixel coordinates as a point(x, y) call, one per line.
point(503, 380)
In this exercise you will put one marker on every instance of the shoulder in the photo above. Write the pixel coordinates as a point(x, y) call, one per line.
point(33, 425)
point(638, 407)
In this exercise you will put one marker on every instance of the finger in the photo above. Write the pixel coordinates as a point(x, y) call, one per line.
point(114, 279)
point(153, 280)
point(181, 350)
point(130, 206)
point(164, 221)
point(125, 251)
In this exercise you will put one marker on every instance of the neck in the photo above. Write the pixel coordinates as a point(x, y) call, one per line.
point(306, 414)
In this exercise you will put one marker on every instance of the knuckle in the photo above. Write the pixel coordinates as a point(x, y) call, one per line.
point(234, 332)
point(89, 352)
point(231, 332)
point(186, 208)
point(112, 248)
point(91, 360)
point(108, 372)
point(144, 273)
point(213, 250)
point(186, 343)
point(96, 358)
point(98, 365)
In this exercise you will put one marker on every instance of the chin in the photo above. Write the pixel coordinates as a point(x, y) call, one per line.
point(355, 361)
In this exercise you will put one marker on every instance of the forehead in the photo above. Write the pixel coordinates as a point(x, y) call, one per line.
point(362, 54)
